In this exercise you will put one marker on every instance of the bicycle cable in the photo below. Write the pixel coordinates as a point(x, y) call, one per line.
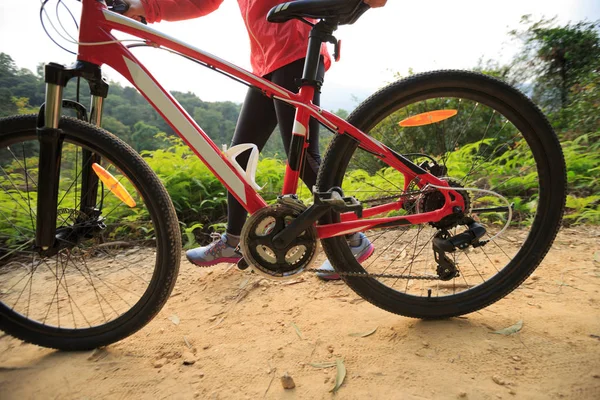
point(70, 38)
point(420, 277)
point(484, 191)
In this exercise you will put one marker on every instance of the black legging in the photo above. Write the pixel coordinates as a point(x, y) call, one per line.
point(258, 118)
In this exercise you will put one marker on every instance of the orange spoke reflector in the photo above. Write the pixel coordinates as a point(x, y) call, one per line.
point(113, 185)
point(427, 118)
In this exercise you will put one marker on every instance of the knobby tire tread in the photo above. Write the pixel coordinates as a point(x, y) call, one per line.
point(166, 223)
point(371, 111)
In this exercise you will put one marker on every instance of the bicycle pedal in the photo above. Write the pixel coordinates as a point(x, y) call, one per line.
point(242, 264)
point(335, 198)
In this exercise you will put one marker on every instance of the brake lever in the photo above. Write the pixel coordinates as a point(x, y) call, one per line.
point(121, 7)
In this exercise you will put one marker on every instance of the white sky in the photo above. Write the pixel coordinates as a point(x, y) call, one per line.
point(423, 35)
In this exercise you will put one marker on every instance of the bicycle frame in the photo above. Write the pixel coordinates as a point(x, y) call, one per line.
point(98, 46)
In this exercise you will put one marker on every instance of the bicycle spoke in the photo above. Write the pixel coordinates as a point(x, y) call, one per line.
point(476, 135)
point(479, 273)
point(101, 263)
point(27, 177)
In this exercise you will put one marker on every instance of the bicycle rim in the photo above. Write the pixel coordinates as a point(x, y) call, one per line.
point(473, 140)
point(103, 273)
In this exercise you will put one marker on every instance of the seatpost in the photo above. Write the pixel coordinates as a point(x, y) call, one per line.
point(321, 32)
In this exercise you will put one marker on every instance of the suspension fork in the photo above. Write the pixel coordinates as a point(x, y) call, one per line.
point(50, 137)
point(89, 180)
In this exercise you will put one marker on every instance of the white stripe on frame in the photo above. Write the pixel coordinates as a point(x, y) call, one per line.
point(185, 127)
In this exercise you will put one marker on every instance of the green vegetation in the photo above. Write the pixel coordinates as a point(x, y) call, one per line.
point(563, 65)
point(559, 67)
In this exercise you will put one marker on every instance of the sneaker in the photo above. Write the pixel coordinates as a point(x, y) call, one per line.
point(361, 252)
point(219, 251)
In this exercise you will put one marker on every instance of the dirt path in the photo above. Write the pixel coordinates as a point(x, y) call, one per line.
point(238, 331)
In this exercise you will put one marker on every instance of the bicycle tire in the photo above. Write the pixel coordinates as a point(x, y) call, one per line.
point(168, 241)
point(552, 185)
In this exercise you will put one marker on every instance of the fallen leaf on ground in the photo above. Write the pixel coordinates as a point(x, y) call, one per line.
point(244, 283)
point(364, 334)
point(340, 375)
point(98, 354)
point(294, 282)
point(323, 365)
point(298, 331)
point(510, 330)
point(174, 319)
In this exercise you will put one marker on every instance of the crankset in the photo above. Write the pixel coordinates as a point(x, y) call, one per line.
point(270, 241)
point(270, 257)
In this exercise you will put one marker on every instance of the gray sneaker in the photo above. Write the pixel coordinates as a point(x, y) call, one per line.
point(361, 252)
point(219, 251)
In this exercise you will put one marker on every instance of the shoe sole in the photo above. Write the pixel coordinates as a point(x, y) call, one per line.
point(230, 260)
point(362, 258)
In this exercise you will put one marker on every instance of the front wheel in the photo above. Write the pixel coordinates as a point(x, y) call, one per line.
point(115, 259)
point(474, 132)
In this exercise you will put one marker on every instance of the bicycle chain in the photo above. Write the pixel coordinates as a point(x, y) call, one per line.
point(397, 197)
point(369, 275)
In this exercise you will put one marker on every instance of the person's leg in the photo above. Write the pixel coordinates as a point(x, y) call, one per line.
point(287, 77)
point(255, 124)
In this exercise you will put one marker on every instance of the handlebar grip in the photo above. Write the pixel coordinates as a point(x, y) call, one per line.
point(119, 6)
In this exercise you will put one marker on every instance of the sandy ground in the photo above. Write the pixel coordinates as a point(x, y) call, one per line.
point(237, 335)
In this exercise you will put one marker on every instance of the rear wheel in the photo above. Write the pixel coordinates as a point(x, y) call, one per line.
point(474, 132)
point(114, 263)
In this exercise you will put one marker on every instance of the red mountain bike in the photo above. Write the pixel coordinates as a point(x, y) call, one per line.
point(456, 178)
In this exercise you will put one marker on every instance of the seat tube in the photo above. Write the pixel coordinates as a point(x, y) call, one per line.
point(298, 144)
point(300, 133)
point(50, 138)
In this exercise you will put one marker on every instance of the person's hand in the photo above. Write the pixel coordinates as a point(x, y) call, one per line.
point(375, 3)
point(136, 9)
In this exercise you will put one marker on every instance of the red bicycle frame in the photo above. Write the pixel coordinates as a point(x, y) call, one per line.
point(98, 46)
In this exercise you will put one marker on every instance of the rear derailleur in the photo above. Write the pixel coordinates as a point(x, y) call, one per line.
point(444, 243)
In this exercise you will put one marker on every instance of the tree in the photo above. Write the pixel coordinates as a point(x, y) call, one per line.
point(144, 137)
point(7, 105)
point(557, 57)
point(341, 113)
point(117, 128)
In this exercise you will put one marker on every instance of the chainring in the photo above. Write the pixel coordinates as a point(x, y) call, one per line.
point(256, 241)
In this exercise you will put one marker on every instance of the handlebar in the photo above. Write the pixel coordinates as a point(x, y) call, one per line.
point(119, 6)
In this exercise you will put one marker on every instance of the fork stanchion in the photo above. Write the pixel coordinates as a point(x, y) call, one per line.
point(50, 138)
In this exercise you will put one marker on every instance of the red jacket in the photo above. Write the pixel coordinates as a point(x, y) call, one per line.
point(271, 45)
